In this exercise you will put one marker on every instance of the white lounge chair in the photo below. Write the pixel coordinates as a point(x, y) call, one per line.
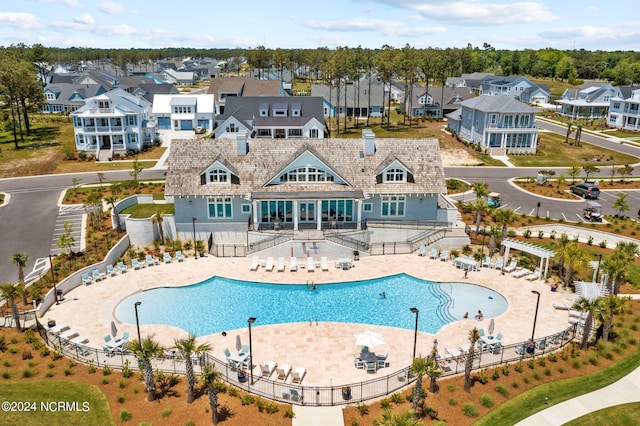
point(121, 267)
point(268, 368)
point(111, 270)
point(324, 265)
point(135, 264)
point(521, 273)
point(486, 262)
point(255, 264)
point(535, 275)
point(269, 266)
point(433, 254)
point(179, 256)
point(444, 255)
point(512, 266)
point(298, 374)
point(422, 251)
point(86, 279)
point(59, 328)
point(283, 371)
point(311, 266)
point(293, 264)
point(281, 264)
point(97, 275)
point(497, 264)
point(150, 260)
point(166, 257)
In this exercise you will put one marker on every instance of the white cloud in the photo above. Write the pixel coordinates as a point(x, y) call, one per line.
point(585, 32)
point(24, 21)
point(113, 8)
point(85, 18)
point(71, 3)
point(352, 25)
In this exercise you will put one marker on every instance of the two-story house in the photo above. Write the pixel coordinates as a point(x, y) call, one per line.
point(113, 122)
point(520, 88)
point(272, 117)
point(177, 77)
point(590, 100)
point(496, 122)
point(63, 97)
point(437, 101)
point(356, 99)
point(624, 111)
point(232, 87)
point(184, 112)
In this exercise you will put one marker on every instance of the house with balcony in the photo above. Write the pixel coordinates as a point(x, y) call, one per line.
point(589, 101)
point(265, 117)
point(518, 87)
point(436, 102)
point(184, 112)
point(624, 111)
point(67, 97)
point(496, 123)
point(235, 191)
point(233, 87)
point(113, 123)
point(360, 99)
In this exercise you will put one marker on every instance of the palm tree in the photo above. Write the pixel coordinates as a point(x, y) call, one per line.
point(157, 219)
point(563, 243)
point(589, 307)
point(480, 209)
point(615, 269)
point(481, 189)
point(210, 376)
point(420, 368)
point(405, 418)
point(111, 200)
point(187, 348)
point(432, 370)
point(10, 293)
point(145, 351)
point(569, 126)
point(474, 336)
point(20, 260)
point(611, 306)
point(575, 258)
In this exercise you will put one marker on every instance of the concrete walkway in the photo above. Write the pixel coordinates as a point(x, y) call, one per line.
point(625, 390)
point(317, 416)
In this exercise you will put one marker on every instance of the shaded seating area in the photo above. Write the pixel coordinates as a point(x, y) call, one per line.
point(544, 254)
point(298, 374)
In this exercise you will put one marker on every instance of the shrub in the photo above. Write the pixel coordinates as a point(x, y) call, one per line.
point(519, 367)
point(49, 373)
point(247, 399)
point(124, 414)
point(486, 400)
point(67, 371)
point(502, 390)
point(396, 398)
point(537, 376)
point(126, 370)
point(233, 391)
point(122, 384)
point(593, 360)
point(542, 362)
point(165, 413)
point(91, 368)
point(28, 372)
point(547, 372)
point(483, 377)
point(106, 370)
point(363, 409)
point(105, 381)
point(603, 244)
point(515, 385)
point(452, 387)
point(288, 413)
point(552, 357)
point(470, 410)
point(6, 375)
point(496, 374)
point(526, 380)
point(505, 370)
point(453, 402)
point(120, 399)
point(385, 404)
point(561, 369)
point(576, 364)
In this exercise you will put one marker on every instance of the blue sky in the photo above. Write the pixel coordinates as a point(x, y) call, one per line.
point(561, 24)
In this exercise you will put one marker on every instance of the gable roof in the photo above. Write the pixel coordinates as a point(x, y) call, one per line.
point(498, 103)
point(248, 108)
point(265, 158)
point(246, 86)
point(122, 102)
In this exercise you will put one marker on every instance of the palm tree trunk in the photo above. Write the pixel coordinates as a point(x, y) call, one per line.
point(190, 379)
point(213, 403)
point(607, 328)
point(416, 392)
point(468, 367)
point(149, 380)
point(588, 323)
point(16, 315)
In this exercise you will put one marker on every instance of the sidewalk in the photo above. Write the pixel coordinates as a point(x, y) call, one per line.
point(625, 390)
point(317, 416)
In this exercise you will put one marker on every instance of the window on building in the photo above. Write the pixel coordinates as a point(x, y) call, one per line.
point(523, 121)
point(220, 207)
point(132, 120)
point(367, 207)
point(313, 133)
point(231, 128)
point(508, 121)
point(246, 208)
point(393, 205)
point(133, 138)
point(264, 133)
point(218, 176)
point(395, 175)
point(493, 119)
point(616, 105)
point(306, 174)
point(606, 98)
point(295, 133)
point(80, 139)
point(51, 96)
point(182, 110)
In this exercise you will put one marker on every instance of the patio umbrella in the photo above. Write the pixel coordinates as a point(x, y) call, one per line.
point(492, 325)
point(369, 339)
point(114, 329)
point(238, 343)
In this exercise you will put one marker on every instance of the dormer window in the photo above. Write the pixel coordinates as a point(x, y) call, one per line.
point(295, 110)
point(51, 96)
point(395, 175)
point(306, 174)
point(218, 176)
point(263, 109)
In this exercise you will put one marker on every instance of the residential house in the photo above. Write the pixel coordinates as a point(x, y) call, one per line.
point(496, 122)
point(624, 111)
point(67, 97)
point(272, 117)
point(463, 80)
point(184, 112)
point(148, 91)
point(437, 101)
point(520, 88)
point(590, 101)
point(356, 100)
point(231, 87)
point(112, 123)
point(235, 185)
point(177, 77)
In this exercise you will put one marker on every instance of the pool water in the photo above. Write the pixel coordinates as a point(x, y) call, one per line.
point(220, 304)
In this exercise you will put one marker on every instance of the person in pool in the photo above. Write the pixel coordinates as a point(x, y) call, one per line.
point(479, 315)
point(383, 295)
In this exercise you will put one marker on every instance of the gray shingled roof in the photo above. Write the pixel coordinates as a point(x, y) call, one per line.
point(247, 108)
point(497, 103)
point(267, 157)
point(246, 86)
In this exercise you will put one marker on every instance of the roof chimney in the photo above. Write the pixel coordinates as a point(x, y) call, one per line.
point(241, 143)
point(369, 142)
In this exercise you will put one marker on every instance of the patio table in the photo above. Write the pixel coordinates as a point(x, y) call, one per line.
point(238, 356)
point(368, 356)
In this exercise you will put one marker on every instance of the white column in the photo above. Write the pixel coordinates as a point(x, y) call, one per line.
point(295, 215)
point(256, 204)
point(358, 214)
point(319, 215)
point(546, 267)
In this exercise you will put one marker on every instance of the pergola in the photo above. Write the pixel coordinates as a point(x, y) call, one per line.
point(541, 252)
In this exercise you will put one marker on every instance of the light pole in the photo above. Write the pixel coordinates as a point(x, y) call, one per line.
point(137, 321)
point(251, 321)
point(195, 248)
point(538, 209)
point(53, 279)
point(415, 331)
point(535, 317)
point(598, 267)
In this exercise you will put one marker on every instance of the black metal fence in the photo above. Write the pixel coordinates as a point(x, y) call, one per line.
point(285, 391)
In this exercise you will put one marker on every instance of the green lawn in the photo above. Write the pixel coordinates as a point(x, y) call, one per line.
point(620, 415)
point(555, 153)
point(532, 401)
point(92, 406)
point(143, 211)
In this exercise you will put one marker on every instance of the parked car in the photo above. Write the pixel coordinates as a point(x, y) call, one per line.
point(586, 190)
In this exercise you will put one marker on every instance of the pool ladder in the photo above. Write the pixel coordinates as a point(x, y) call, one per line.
point(311, 285)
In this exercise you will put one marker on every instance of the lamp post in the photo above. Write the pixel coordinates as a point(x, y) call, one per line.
point(195, 248)
point(538, 209)
point(598, 267)
point(137, 321)
point(415, 331)
point(53, 280)
point(535, 317)
point(251, 321)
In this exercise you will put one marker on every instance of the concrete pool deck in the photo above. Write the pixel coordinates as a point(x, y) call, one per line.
point(326, 350)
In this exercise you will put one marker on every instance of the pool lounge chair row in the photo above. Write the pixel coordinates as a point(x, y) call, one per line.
point(269, 266)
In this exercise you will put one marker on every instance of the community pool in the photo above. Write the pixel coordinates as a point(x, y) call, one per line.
point(220, 304)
